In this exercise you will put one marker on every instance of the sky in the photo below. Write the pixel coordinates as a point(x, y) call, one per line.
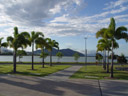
point(66, 21)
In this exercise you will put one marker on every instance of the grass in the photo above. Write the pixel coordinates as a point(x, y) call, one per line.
point(97, 72)
point(26, 69)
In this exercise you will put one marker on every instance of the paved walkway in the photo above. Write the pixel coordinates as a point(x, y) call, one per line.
point(58, 84)
point(63, 75)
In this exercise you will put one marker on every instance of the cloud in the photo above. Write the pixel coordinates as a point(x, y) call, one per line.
point(56, 17)
point(118, 3)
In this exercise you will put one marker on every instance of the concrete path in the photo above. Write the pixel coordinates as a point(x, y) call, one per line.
point(59, 84)
point(114, 87)
point(64, 74)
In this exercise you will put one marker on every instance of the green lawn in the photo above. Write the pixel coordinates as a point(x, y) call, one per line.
point(26, 69)
point(97, 72)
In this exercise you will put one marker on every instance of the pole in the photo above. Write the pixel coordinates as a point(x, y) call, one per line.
point(85, 52)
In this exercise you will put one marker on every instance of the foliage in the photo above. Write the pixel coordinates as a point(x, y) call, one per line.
point(121, 59)
point(59, 55)
point(76, 57)
point(99, 56)
point(114, 56)
point(43, 55)
point(21, 53)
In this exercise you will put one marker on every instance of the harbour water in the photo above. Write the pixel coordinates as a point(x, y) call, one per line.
point(54, 59)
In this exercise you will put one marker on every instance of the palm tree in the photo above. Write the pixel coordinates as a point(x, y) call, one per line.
point(113, 34)
point(52, 44)
point(33, 37)
point(106, 44)
point(41, 43)
point(5, 44)
point(99, 57)
point(19, 40)
point(101, 46)
point(76, 57)
point(21, 53)
point(59, 55)
point(43, 55)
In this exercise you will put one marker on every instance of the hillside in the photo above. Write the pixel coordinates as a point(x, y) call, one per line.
point(66, 52)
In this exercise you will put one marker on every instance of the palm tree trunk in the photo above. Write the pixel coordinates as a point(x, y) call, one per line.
point(108, 63)
point(32, 56)
point(105, 60)
point(43, 58)
point(14, 61)
point(112, 62)
point(104, 65)
point(51, 58)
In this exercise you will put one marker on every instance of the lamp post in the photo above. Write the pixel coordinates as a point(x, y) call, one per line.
point(85, 51)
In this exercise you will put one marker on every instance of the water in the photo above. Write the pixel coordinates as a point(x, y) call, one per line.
point(54, 59)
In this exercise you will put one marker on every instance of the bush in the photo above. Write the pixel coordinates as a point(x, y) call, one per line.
point(121, 59)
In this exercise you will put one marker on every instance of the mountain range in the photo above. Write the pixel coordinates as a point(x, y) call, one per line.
point(65, 52)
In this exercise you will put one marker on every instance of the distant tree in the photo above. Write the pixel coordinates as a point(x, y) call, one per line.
point(121, 59)
point(59, 55)
point(21, 53)
point(99, 57)
point(43, 55)
point(76, 57)
point(114, 56)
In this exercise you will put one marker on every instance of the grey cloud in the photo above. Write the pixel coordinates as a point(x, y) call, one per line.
point(30, 12)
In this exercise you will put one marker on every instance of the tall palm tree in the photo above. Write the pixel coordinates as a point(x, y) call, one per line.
point(5, 44)
point(113, 34)
point(19, 40)
point(52, 44)
point(33, 37)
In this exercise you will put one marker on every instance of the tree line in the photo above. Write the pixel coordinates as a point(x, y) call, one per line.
point(19, 41)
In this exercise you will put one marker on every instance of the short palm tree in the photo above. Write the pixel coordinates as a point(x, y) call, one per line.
point(5, 44)
point(106, 44)
point(43, 55)
point(52, 44)
point(101, 46)
point(21, 53)
point(59, 55)
point(76, 57)
point(41, 43)
point(33, 37)
point(19, 40)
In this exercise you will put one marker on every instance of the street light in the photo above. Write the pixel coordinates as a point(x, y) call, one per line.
point(85, 51)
